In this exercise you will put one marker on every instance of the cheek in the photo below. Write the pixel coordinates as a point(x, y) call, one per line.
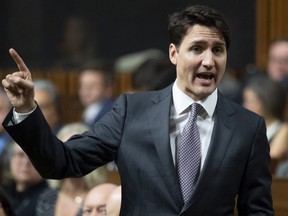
point(15, 168)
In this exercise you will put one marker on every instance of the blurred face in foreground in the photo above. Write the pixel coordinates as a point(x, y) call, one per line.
point(200, 61)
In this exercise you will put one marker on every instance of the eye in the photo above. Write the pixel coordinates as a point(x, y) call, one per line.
point(197, 49)
point(102, 210)
point(218, 50)
point(86, 211)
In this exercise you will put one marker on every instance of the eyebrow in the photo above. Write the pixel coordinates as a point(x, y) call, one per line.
point(217, 43)
point(101, 206)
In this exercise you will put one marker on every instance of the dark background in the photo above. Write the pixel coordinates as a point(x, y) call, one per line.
point(35, 27)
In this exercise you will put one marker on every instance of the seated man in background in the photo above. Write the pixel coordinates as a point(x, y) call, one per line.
point(96, 200)
point(96, 89)
point(27, 183)
point(46, 95)
point(277, 65)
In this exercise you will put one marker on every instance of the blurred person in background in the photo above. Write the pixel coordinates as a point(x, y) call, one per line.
point(46, 96)
point(267, 98)
point(27, 184)
point(277, 66)
point(96, 91)
point(5, 138)
point(67, 196)
point(96, 200)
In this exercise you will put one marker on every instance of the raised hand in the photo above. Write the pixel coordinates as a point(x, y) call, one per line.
point(19, 86)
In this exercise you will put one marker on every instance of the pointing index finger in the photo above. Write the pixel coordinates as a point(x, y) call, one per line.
point(18, 60)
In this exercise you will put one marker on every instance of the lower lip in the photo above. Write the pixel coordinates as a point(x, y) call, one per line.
point(206, 82)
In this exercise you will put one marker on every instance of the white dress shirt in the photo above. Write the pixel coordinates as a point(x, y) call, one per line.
point(179, 116)
point(91, 112)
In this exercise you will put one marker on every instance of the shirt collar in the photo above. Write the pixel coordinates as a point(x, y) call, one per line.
point(182, 101)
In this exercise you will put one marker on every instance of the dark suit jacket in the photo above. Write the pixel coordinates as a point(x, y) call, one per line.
point(136, 135)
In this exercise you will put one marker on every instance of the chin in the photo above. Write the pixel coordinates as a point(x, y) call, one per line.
point(206, 91)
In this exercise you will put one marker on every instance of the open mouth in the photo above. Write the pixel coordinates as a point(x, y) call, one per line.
point(205, 76)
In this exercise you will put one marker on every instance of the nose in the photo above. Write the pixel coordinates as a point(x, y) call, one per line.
point(208, 60)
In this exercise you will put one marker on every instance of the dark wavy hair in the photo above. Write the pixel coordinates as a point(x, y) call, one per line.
point(180, 21)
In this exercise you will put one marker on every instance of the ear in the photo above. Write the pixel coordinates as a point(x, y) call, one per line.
point(173, 53)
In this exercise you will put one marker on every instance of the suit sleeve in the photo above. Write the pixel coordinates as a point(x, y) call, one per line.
point(254, 197)
point(78, 156)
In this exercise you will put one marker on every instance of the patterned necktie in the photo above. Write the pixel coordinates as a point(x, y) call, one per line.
point(189, 154)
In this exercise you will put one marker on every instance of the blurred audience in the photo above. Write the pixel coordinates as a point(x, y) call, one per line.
point(96, 91)
point(5, 206)
point(46, 95)
point(27, 184)
point(153, 74)
point(113, 205)
point(267, 98)
point(4, 137)
point(67, 196)
point(96, 200)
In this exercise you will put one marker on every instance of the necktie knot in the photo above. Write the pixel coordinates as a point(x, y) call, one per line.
point(195, 109)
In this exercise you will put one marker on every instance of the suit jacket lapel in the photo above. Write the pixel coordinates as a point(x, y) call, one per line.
point(158, 120)
point(220, 141)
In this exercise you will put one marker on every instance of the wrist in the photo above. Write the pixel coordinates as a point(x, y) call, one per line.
point(27, 108)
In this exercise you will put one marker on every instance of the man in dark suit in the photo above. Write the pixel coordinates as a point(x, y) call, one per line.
point(142, 133)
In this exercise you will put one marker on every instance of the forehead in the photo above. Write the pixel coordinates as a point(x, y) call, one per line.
point(91, 74)
point(94, 199)
point(203, 34)
point(279, 47)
